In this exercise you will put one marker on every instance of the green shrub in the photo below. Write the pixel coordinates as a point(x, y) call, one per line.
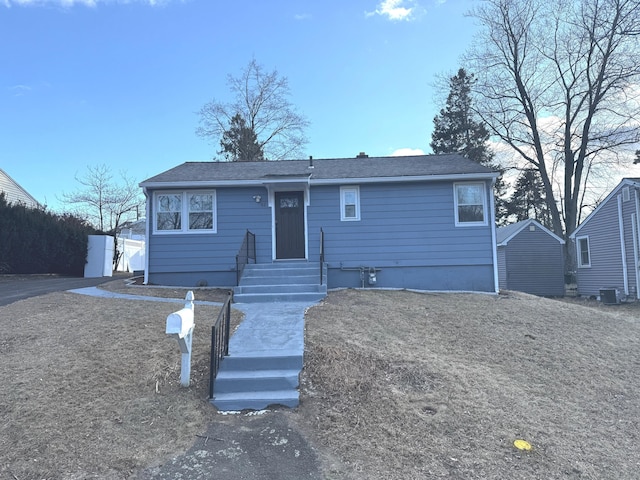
point(36, 241)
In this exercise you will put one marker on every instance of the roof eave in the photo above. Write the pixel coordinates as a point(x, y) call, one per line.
point(318, 181)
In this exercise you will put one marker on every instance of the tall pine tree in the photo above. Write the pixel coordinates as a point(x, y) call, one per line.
point(528, 199)
point(239, 143)
point(457, 131)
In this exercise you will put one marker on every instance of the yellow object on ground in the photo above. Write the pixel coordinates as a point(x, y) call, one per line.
point(522, 445)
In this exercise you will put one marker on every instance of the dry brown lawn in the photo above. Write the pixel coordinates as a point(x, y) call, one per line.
point(402, 385)
point(397, 385)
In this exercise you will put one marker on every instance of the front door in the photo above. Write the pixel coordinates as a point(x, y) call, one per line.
point(289, 225)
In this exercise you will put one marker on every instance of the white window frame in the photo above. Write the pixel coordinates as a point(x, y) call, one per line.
point(343, 203)
point(579, 251)
point(184, 212)
point(484, 205)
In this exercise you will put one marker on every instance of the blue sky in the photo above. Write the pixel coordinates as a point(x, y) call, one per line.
point(91, 82)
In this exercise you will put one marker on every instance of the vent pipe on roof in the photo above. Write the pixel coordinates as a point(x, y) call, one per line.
point(362, 155)
point(310, 161)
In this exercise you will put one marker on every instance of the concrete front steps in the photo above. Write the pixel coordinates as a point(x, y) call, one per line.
point(254, 383)
point(286, 281)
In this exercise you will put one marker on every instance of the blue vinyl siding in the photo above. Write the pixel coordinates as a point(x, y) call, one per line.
point(406, 225)
point(603, 231)
point(186, 259)
point(408, 231)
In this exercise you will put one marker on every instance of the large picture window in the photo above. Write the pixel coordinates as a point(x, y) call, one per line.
point(470, 204)
point(185, 212)
point(584, 255)
point(349, 203)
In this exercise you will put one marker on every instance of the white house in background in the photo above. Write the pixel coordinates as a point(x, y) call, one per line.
point(15, 193)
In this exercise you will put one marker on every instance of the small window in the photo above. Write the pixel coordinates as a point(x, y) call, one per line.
point(349, 204)
point(470, 204)
point(625, 194)
point(169, 212)
point(584, 254)
point(200, 211)
point(185, 212)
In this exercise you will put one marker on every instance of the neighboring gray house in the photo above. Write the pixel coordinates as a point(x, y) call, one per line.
point(14, 193)
point(421, 222)
point(607, 244)
point(530, 259)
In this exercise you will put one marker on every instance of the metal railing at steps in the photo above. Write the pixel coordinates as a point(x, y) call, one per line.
point(246, 253)
point(321, 255)
point(219, 341)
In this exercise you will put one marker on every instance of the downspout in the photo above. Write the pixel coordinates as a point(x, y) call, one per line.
point(146, 235)
point(636, 237)
point(625, 273)
point(634, 226)
point(492, 201)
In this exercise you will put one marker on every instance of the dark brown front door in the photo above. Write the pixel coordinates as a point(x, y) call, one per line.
point(289, 225)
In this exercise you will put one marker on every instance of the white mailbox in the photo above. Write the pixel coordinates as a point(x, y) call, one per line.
point(180, 322)
point(180, 325)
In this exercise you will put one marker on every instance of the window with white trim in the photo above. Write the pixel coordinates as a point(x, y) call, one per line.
point(349, 203)
point(185, 212)
point(470, 204)
point(584, 253)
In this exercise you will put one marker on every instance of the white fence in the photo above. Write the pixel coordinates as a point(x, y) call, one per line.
point(131, 255)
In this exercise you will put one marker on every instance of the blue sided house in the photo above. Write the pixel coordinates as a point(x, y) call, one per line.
point(607, 246)
point(419, 222)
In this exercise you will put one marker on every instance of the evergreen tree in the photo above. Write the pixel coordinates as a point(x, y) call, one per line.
point(239, 142)
point(528, 199)
point(455, 128)
point(457, 131)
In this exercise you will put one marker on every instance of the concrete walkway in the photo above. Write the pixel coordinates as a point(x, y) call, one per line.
point(98, 292)
point(244, 447)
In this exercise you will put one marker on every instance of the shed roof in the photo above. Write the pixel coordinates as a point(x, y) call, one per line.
point(362, 169)
point(506, 233)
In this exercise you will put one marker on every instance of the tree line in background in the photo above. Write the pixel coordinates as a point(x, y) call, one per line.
point(36, 241)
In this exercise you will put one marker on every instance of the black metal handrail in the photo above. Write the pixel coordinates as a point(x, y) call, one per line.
point(246, 253)
point(321, 254)
point(219, 341)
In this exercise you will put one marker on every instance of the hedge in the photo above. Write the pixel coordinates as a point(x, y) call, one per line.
point(37, 241)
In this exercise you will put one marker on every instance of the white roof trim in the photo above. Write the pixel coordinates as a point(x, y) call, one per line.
point(623, 183)
point(320, 181)
point(525, 224)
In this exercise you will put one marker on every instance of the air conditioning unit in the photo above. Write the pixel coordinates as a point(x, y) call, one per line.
point(610, 296)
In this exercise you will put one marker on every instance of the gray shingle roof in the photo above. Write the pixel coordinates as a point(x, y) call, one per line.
point(505, 233)
point(323, 169)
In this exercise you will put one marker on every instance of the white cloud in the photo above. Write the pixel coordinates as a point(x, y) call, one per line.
point(406, 152)
point(20, 90)
point(302, 16)
point(394, 10)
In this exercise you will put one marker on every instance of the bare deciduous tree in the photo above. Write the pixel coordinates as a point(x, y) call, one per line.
point(261, 99)
point(559, 83)
point(105, 202)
